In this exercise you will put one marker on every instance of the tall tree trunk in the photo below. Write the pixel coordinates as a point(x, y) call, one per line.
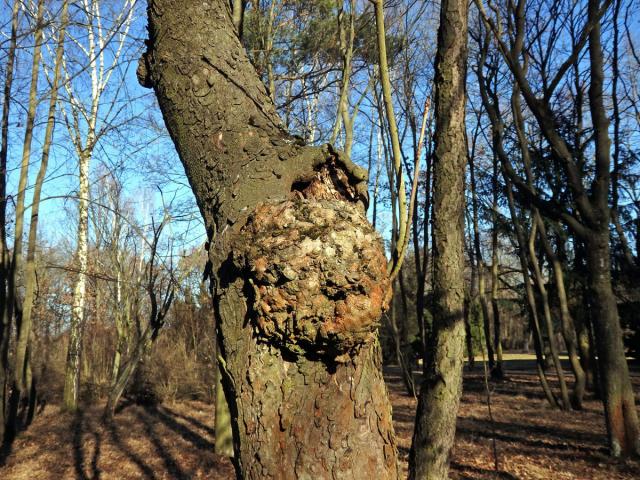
point(621, 415)
point(566, 322)
point(546, 312)
point(72, 367)
point(498, 369)
point(442, 384)
point(304, 389)
point(5, 262)
point(16, 275)
point(481, 266)
point(532, 309)
point(24, 333)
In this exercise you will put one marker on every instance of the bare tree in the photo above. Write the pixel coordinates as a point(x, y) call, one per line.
point(441, 387)
point(247, 173)
point(83, 120)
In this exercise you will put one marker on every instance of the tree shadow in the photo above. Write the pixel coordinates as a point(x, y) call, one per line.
point(515, 432)
point(5, 451)
point(194, 422)
point(146, 470)
point(186, 433)
point(169, 461)
point(79, 426)
point(501, 474)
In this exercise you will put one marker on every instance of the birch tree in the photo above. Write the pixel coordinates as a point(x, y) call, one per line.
point(87, 120)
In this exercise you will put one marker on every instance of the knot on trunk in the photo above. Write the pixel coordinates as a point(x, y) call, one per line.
point(143, 72)
point(318, 272)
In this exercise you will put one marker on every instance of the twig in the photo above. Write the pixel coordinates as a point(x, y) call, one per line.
point(496, 462)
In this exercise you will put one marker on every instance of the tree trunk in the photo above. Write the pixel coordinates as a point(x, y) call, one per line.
point(498, 370)
point(486, 325)
point(23, 346)
point(5, 262)
point(546, 311)
point(128, 370)
point(481, 266)
point(406, 370)
point(471, 360)
point(16, 279)
point(72, 367)
point(568, 328)
point(297, 331)
point(442, 383)
point(621, 415)
point(224, 433)
point(530, 297)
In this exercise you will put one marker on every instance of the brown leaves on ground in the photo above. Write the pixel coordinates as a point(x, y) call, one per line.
point(533, 441)
point(176, 441)
point(164, 442)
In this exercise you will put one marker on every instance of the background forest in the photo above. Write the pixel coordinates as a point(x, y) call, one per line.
point(103, 292)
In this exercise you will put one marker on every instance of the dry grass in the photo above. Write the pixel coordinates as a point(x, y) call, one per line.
point(176, 441)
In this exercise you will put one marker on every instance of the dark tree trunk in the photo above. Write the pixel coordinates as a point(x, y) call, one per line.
point(5, 309)
point(471, 360)
point(441, 388)
point(498, 370)
point(297, 328)
point(617, 392)
point(621, 415)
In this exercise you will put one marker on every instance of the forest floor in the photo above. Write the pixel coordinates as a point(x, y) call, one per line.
point(175, 441)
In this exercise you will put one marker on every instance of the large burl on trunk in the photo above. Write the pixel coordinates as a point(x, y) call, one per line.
point(298, 275)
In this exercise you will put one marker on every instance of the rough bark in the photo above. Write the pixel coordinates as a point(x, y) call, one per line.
point(302, 370)
point(621, 416)
point(442, 383)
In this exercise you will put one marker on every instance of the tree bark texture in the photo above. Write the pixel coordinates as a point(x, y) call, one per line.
point(442, 384)
point(621, 415)
point(298, 275)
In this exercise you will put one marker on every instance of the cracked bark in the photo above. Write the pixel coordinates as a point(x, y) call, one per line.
point(442, 384)
point(300, 408)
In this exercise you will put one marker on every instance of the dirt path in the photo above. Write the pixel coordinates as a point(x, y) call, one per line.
point(176, 441)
